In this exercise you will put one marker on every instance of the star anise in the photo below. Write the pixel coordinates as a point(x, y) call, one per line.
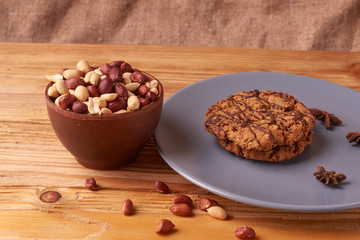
point(353, 137)
point(328, 177)
point(328, 118)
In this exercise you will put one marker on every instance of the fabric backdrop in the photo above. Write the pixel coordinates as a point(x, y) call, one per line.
point(331, 25)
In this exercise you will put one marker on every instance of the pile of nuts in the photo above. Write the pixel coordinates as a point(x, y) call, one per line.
point(113, 87)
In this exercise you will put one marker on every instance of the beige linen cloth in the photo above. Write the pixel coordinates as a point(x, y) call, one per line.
point(331, 25)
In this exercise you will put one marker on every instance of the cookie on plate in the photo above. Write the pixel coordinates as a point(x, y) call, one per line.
point(267, 125)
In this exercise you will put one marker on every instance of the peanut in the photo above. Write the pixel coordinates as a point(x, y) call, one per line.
point(54, 78)
point(206, 203)
point(143, 102)
point(126, 77)
point(56, 102)
point(93, 91)
point(81, 93)
point(72, 73)
point(245, 232)
point(115, 63)
point(95, 79)
point(105, 69)
point(101, 102)
point(90, 183)
point(72, 83)
point(150, 96)
point(143, 89)
point(97, 70)
point(181, 209)
point(121, 91)
point(61, 87)
point(164, 226)
point(117, 104)
point(109, 96)
point(87, 76)
point(217, 212)
point(138, 77)
point(133, 103)
point(154, 90)
point(105, 111)
point(79, 107)
point(153, 84)
point(121, 111)
point(125, 67)
point(132, 87)
point(53, 92)
point(161, 187)
point(105, 86)
point(83, 65)
point(93, 106)
point(115, 74)
point(66, 101)
point(127, 207)
point(180, 198)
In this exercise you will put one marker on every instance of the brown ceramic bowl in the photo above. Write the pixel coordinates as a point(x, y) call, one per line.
point(105, 142)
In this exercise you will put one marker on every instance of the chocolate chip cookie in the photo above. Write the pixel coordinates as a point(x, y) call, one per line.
point(267, 125)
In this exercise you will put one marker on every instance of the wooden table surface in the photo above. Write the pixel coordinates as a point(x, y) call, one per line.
point(32, 160)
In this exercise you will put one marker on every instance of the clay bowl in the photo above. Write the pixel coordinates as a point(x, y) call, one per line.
point(105, 142)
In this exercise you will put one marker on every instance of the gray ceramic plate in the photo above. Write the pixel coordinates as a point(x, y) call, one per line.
point(194, 153)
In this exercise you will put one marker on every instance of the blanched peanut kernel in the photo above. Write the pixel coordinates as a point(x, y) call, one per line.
point(133, 103)
point(61, 87)
point(126, 78)
point(132, 87)
point(93, 106)
point(83, 65)
point(95, 79)
point(81, 93)
point(87, 77)
point(101, 102)
point(98, 71)
point(121, 111)
point(54, 78)
point(72, 73)
point(105, 111)
point(217, 212)
point(109, 96)
point(53, 92)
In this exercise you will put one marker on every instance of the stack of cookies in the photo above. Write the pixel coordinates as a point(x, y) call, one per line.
point(266, 126)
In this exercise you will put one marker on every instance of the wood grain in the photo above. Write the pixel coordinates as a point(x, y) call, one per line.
point(32, 160)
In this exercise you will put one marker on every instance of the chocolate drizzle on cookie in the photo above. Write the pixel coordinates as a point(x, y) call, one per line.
point(267, 117)
point(245, 119)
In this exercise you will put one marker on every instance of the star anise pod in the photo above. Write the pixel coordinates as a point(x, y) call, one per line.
point(328, 118)
point(353, 137)
point(328, 177)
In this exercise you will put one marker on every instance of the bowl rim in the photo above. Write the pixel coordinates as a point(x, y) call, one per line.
point(124, 115)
